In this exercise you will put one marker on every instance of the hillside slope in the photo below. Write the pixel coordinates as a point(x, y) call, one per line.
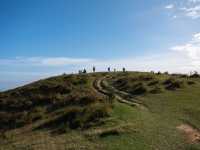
point(131, 110)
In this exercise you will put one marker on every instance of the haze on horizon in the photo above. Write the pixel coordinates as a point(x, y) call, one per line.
point(42, 38)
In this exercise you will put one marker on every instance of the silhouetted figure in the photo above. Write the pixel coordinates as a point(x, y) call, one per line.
point(114, 70)
point(80, 71)
point(84, 71)
point(159, 73)
point(108, 69)
point(124, 70)
point(94, 69)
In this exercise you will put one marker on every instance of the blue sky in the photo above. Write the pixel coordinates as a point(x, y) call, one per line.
point(42, 38)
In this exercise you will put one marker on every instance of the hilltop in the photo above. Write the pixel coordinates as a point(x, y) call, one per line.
point(121, 110)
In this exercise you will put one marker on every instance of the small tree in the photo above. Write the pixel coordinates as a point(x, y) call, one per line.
point(124, 70)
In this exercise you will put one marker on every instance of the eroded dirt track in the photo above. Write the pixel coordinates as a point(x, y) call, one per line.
point(102, 86)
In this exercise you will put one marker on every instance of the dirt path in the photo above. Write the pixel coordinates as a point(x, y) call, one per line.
point(192, 134)
point(97, 84)
point(102, 86)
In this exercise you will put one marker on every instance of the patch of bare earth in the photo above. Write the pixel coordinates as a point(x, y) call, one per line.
point(192, 135)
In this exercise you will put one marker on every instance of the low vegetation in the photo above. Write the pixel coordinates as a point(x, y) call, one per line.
point(28, 104)
point(70, 112)
point(144, 83)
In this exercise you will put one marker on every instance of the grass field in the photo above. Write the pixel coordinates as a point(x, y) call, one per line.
point(171, 101)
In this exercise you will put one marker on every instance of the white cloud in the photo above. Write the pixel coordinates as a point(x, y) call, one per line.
point(170, 6)
point(191, 49)
point(189, 8)
point(192, 12)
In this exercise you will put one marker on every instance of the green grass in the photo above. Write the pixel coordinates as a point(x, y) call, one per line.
point(127, 127)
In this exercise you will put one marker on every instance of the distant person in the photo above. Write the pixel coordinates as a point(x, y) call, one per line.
point(94, 69)
point(124, 70)
point(108, 69)
point(84, 71)
point(80, 71)
point(114, 70)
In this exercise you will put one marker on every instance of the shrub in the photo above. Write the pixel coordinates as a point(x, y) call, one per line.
point(169, 81)
point(79, 117)
point(145, 78)
point(121, 82)
point(138, 89)
point(174, 85)
point(35, 114)
point(166, 73)
point(190, 82)
point(156, 90)
point(159, 73)
point(153, 83)
point(183, 76)
point(195, 75)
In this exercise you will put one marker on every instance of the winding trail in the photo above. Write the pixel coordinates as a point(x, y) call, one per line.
point(102, 86)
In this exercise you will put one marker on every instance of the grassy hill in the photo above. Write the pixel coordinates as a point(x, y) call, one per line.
point(114, 111)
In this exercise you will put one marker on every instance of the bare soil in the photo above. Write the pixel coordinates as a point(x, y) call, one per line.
point(192, 135)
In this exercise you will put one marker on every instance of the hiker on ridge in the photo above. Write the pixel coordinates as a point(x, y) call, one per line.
point(94, 69)
point(124, 70)
point(108, 69)
point(84, 71)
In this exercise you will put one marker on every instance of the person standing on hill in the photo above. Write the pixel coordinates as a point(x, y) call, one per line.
point(94, 69)
point(84, 71)
point(124, 70)
point(108, 69)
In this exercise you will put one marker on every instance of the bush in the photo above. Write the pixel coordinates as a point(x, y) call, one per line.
point(195, 75)
point(121, 82)
point(145, 78)
point(159, 73)
point(190, 82)
point(156, 90)
point(166, 73)
point(174, 85)
point(79, 117)
point(138, 89)
point(35, 114)
point(153, 83)
point(169, 81)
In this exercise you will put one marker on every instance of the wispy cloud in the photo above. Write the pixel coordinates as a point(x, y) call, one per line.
point(191, 49)
point(44, 61)
point(186, 8)
point(170, 6)
point(192, 12)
